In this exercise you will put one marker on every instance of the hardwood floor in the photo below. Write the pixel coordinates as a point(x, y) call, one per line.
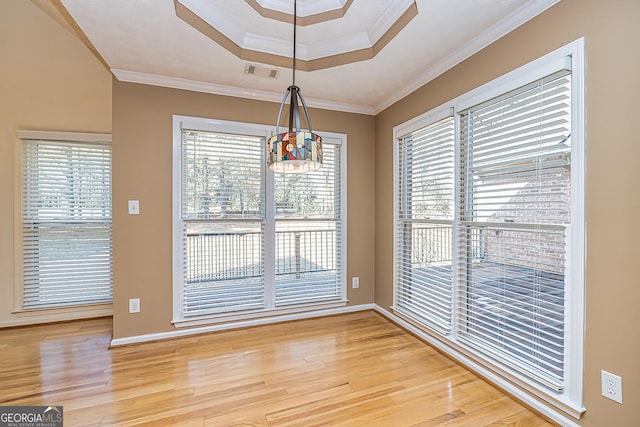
point(352, 370)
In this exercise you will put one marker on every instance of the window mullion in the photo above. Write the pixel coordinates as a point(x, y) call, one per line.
point(458, 206)
point(269, 249)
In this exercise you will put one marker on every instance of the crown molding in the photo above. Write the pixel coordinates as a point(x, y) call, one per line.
point(500, 29)
point(392, 14)
point(217, 89)
point(331, 47)
point(271, 45)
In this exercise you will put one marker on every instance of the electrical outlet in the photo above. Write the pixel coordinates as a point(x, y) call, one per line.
point(134, 207)
point(134, 305)
point(612, 386)
point(355, 282)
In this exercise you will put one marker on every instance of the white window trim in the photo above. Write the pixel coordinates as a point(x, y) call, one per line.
point(265, 131)
point(570, 401)
point(52, 313)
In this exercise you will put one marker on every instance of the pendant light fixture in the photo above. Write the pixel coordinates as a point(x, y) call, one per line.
point(294, 151)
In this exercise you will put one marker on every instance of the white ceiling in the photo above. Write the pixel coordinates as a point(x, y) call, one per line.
point(144, 41)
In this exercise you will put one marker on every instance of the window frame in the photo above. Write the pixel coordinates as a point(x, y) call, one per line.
point(77, 311)
point(570, 399)
point(270, 309)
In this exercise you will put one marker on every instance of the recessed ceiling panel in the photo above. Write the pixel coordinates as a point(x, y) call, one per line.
point(305, 7)
point(309, 12)
point(247, 33)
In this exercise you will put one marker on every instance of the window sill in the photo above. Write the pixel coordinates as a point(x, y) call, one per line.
point(58, 314)
point(258, 317)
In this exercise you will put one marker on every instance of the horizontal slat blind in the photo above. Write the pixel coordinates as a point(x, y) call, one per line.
point(221, 176)
point(223, 217)
point(308, 221)
point(515, 208)
point(310, 195)
point(66, 224)
point(425, 217)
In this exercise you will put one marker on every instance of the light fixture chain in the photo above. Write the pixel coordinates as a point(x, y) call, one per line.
point(295, 22)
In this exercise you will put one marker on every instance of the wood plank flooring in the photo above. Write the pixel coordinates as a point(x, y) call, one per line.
point(352, 370)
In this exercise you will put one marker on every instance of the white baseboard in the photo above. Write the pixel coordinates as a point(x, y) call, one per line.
point(239, 324)
point(54, 315)
point(537, 405)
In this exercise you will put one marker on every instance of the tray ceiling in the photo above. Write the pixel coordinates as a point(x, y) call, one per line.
point(354, 55)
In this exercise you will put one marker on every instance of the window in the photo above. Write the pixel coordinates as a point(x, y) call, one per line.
point(425, 223)
point(514, 213)
point(249, 242)
point(223, 220)
point(489, 250)
point(66, 221)
point(308, 233)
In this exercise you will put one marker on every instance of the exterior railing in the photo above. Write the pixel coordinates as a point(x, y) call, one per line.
point(223, 256)
point(431, 244)
point(310, 251)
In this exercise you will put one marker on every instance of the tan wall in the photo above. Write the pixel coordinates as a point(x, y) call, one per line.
point(142, 150)
point(48, 81)
point(611, 36)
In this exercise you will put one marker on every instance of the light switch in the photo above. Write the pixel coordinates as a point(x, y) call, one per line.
point(134, 207)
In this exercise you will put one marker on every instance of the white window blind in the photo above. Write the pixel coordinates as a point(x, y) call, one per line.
point(515, 179)
point(66, 224)
point(426, 167)
point(223, 222)
point(308, 233)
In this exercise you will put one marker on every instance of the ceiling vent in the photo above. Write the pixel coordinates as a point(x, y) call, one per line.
point(261, 71)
